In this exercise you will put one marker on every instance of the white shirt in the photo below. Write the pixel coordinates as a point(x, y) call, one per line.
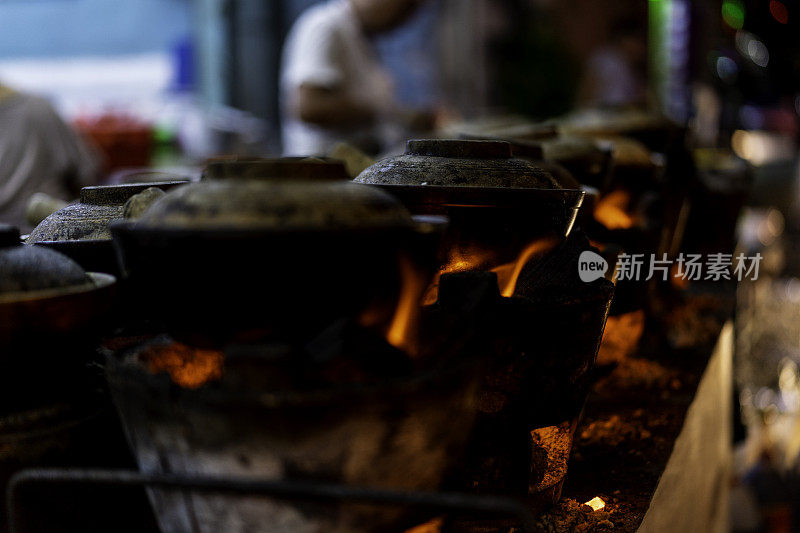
point(327, 48)
point(38, 153)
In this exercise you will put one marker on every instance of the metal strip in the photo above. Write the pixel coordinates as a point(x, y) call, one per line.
point(462, 503)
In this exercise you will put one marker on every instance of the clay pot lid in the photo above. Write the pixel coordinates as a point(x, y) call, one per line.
point(88, 219)
point(275, 205)
point(459, 148)
point(458, 163)
point(119, 194)
point(26, 268)
point(290, 168)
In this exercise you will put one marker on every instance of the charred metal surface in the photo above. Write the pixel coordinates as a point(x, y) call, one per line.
point(264, 420)
point(214, 285)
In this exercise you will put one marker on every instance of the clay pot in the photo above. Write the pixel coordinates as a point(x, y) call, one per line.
point(497, 205)
point(587, 161)
point(45, 295)
point(28, 269)
point(80, 230)
point(655, 131)
point(53, 411)
point(281, 253)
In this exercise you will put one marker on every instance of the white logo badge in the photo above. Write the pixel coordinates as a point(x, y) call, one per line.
point(591, 266)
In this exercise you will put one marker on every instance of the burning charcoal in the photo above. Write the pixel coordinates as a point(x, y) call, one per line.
point(346, 352)
point(187, 367)
point(557, 272)
point(461, 323)
point(468, 291)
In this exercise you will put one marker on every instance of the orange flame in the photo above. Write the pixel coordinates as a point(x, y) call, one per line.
point(188, 367)
point(432, 526)
point(610, 211)
point(399, 333)
point(507, 273)
point(459, 261)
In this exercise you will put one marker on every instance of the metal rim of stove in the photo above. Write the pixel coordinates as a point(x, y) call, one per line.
point(495, 197)
point(423, 226)
point(97, 281)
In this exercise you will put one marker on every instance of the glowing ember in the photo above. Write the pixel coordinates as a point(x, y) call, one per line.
point(621, 336)
point(556, 442)
point(596, 503)
point(610, 211)
point(188, 367)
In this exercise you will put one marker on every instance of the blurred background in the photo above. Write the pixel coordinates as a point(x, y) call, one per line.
point(197, 72)
point(202, 76)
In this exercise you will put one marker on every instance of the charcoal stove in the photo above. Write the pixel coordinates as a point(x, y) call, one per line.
point(309, 402)
point(510, 275)
point(279, 414)
point(541, 342)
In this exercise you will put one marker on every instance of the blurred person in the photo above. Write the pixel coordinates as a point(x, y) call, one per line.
point(333, 86)
point(616, 72)
point(39, 152)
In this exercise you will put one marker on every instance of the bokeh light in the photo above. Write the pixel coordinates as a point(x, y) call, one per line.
point(779, 11)
point(726, 69)
point(752, 47)
point(733, 13)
